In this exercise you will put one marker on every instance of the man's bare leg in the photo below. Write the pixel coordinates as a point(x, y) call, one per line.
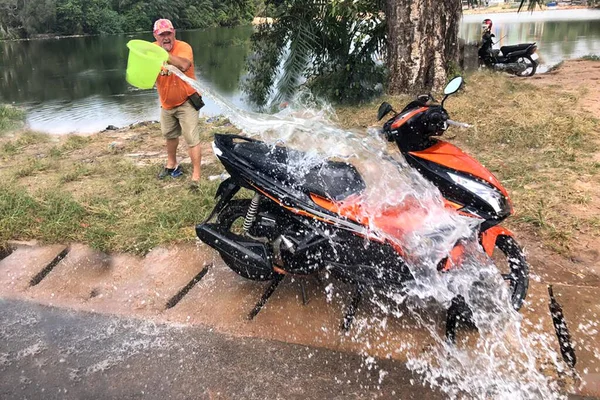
point(172, 152)
point(196, 155)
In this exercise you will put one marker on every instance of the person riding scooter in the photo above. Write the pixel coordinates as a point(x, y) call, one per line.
point(487, 41)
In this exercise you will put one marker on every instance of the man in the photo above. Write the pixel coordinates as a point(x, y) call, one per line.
point(178, 116)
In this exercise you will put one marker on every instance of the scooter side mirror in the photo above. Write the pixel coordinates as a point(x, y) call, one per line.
point(453, 86)
point(384, 109)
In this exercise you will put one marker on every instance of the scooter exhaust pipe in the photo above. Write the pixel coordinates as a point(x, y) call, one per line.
point(251, 253)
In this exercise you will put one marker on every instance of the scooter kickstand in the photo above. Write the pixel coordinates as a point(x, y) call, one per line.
point(451, 322)
point(352, 307)
point(303, 288)
point(268, 293)
point(458, 311)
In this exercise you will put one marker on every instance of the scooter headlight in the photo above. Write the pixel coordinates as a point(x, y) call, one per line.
point(485, 192)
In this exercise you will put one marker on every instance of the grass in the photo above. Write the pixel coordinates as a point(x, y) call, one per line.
point(591, 57)
point(83, 189)
point(10, 118)
point(79, 190)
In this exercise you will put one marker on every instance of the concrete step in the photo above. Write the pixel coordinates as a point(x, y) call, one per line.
point(26, 265)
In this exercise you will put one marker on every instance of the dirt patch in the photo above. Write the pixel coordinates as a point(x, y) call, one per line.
point(579, 76)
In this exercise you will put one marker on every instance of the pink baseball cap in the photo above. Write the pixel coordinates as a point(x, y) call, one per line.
point(163, 25)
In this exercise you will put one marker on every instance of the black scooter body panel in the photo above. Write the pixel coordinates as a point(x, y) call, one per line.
point(252, 254)
point(345, 252)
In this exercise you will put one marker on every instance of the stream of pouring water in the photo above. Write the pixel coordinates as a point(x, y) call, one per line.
point(502, 363)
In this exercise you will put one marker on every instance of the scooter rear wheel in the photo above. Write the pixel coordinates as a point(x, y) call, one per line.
point(511, 262)
point(231, 218)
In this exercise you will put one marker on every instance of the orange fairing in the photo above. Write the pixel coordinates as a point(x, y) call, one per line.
point(452, 205)
point(400, 121)
point(450, 156)
point(395, 221)
point(488, 238)
point(455, 257)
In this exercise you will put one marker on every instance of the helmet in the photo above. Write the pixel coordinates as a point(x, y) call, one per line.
point(486, 25)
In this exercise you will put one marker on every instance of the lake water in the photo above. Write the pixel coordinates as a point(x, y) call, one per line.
point(78, 84)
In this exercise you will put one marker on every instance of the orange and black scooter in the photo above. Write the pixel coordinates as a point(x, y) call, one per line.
point(303, 220)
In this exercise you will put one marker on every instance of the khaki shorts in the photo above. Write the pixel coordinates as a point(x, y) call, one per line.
point(180, 120)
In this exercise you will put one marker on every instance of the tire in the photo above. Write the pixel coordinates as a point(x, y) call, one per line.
point(532, 66)
point(234, 211)
point(514, 268)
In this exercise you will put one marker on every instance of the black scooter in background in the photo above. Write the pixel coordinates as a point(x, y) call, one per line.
point(520, 59)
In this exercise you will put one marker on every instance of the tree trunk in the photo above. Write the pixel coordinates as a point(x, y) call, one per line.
point(422, 43)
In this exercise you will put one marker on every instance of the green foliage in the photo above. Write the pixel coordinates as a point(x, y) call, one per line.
point(10, 118)
point(331, 47)
point(233, 12)
point(38, 16)
point(67, 17)
point(197, 15)
point(99, 18)
point(267, 44)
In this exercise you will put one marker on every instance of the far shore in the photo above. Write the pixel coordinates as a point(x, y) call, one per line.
point(503, 9)
point(270, 20)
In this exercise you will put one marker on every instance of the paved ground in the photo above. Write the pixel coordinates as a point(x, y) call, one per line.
point(51, 353)
point(174, 325)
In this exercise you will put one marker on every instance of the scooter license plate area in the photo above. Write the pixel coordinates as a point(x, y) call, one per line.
point(534, 57)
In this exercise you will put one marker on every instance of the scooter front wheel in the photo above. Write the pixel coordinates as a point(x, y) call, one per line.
point(511, 262)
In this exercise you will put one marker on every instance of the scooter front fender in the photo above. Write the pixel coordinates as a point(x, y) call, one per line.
point(488, 238)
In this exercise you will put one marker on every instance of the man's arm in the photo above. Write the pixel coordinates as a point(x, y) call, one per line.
point(182, 63)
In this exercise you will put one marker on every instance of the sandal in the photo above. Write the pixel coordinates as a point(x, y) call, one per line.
point(172, 172)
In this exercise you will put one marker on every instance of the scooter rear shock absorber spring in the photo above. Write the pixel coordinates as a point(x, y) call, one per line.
point(251, 214)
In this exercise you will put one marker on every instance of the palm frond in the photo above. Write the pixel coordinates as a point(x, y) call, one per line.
point(300, 48)
point(531, 4)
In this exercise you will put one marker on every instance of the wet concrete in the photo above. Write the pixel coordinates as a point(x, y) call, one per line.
point(53, 353)
point(220, 301)
point(24, 264)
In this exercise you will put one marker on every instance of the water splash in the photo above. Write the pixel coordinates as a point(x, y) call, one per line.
point(501, 362)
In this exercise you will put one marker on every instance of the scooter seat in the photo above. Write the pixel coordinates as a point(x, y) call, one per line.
point(506, 50)
point(331, 179)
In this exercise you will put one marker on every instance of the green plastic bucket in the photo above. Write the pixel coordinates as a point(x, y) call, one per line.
point(144, 63)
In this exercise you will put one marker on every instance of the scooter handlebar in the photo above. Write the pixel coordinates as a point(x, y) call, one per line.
point(458, 124)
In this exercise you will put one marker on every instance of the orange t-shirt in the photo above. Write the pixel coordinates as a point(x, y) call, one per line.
point(172, 91)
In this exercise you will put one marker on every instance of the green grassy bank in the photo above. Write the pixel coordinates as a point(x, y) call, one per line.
point(99, 190)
